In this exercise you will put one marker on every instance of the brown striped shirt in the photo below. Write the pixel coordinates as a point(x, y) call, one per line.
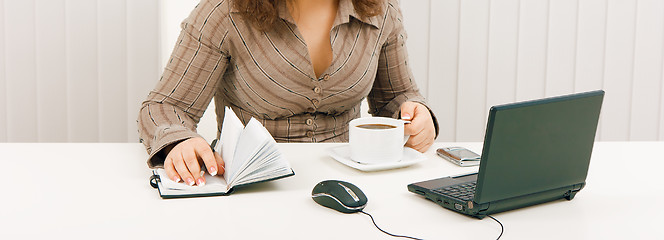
point(269, 76)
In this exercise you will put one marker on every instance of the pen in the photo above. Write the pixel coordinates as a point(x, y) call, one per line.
point(213, 145)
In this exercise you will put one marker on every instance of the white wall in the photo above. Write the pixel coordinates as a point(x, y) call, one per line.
point(486, 52)
point(77, 70)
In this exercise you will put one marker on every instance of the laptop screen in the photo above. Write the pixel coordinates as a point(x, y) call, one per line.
point(538, 145)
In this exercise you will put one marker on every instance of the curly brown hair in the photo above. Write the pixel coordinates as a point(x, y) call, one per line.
point(263, 13)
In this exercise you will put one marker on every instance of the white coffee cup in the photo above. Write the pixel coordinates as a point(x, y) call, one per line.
point(375, 140)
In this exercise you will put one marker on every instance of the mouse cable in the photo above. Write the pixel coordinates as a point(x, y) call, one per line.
point(393, 235)
point(501, 226)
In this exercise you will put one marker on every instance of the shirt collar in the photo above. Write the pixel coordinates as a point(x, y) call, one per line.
point(282, 11)
point(344, 14)
point(347, 10)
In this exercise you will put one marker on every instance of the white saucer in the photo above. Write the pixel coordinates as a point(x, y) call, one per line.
point(342, 155)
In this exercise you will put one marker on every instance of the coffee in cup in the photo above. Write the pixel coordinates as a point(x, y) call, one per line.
point(375, 126)
point(375, 140)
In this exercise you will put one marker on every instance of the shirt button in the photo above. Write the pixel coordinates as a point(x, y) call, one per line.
point(317, 90)
point(310, 134)
point(310, 121)
point(315, 101)
point(326, 77)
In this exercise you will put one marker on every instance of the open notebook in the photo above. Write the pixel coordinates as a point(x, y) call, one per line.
point(250, 154)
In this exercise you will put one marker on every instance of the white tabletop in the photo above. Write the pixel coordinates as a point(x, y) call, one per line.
point(101, 191)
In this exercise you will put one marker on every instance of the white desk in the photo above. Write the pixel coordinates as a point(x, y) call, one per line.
point(101, 191)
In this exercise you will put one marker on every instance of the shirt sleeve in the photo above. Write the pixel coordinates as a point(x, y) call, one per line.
point(394, 82)
point(174, 107)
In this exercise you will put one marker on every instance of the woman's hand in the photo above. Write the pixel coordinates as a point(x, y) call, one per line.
point(421, 129)
point(184, 161)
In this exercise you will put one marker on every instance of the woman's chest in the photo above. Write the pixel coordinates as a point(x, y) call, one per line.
point(273, 70)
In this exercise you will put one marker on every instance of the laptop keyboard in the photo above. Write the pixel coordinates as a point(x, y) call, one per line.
point(465, 192)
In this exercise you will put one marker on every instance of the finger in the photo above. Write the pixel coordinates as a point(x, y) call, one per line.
point(423, 144)
point(205, 153)
point(220, 164)
point(422, 113)
point(182, 169)
point(426, 144)
point(415, 141)
point(414, 128)
point(422, 125)
point(419, 120)
point(189, 156)
point(421, 141)
point(408, 110)
point(170, 170)
point(421, 147)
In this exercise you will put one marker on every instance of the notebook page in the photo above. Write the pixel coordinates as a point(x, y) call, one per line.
point(251, 141)
point(231, 130)
point(212, 184)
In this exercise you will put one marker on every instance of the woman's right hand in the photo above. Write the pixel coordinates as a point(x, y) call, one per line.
point(184, 161)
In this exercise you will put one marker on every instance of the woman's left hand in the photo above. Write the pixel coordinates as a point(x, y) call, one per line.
point(421, 129)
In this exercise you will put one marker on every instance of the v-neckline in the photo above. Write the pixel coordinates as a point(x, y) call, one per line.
point(310, 61)
point(311, 70)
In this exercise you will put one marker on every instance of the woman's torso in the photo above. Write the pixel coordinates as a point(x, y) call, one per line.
point(270, 76)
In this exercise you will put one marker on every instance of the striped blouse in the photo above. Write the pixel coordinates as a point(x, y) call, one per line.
point(268, 75)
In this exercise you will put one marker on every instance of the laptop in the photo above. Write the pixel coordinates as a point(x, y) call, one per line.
point(534, 152)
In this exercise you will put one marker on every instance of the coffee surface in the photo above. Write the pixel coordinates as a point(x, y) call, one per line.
point(376, 126)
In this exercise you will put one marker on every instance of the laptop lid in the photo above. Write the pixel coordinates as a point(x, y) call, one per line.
point(538, 145)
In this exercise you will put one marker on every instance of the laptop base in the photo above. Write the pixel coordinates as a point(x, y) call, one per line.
point(481, 210)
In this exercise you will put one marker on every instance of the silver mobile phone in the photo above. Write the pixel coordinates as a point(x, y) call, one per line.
point(460, 156)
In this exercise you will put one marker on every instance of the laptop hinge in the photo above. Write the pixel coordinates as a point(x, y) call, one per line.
point(482, 207)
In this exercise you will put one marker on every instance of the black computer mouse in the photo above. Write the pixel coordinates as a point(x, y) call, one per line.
point(339, 195)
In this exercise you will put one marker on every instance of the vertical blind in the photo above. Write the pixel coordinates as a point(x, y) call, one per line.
point(472, 54)
point(77, 70)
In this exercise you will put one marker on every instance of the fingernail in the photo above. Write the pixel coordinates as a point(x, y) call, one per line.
point(176, 179)
point(190, 181)
point(405, 116)
point(200, 182)
point(213, 171)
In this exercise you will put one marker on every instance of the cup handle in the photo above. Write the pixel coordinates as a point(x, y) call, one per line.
point(405, 137)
